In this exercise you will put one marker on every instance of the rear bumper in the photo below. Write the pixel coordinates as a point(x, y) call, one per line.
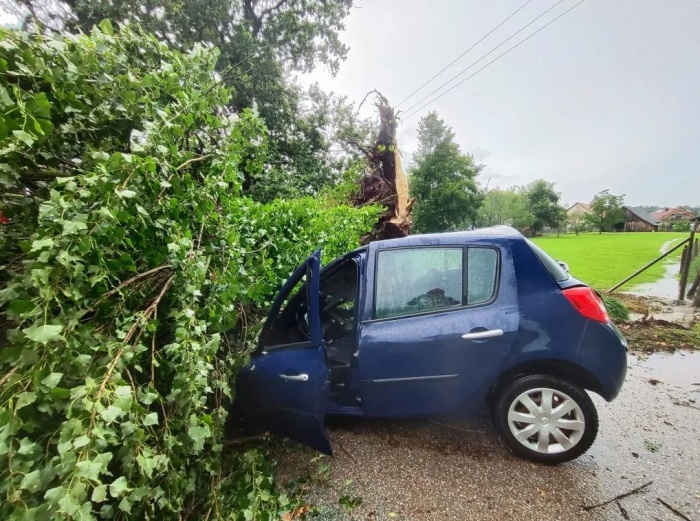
point(603, 351)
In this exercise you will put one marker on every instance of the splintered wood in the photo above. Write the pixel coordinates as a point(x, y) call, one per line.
point(385, 182)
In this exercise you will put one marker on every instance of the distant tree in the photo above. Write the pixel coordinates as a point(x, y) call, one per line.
point(607, 210)
point(543, 202)
point(505, 207)
point(442, 180)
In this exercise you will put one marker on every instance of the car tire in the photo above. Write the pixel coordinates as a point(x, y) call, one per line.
point(545, 419)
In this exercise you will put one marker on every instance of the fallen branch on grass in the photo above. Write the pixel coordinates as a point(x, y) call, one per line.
point(620, 496)
point(673, 509)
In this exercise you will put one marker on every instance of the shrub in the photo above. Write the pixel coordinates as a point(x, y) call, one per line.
point(128, 263)
point(616, 309)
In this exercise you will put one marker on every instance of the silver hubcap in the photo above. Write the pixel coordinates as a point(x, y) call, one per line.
point(546, 420)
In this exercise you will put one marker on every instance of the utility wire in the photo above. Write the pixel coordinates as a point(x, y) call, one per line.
point(461, 55)
point(453, 78)
point(495, 59)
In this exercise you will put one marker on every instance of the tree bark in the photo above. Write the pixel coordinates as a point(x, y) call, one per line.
point(386, 183)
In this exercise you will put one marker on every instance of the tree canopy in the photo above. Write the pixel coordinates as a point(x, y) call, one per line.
point(443, 180)
point(544, 205)
point(608, 211)
point(261, 44)
point(510, 207)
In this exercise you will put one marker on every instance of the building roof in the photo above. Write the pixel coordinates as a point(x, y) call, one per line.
point(666, 212)
point(643, 215)
point(585, 206)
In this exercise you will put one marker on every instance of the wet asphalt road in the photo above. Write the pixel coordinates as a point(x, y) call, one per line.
point(448, 469)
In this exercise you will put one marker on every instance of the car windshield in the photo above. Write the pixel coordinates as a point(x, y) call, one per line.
point(558, 273)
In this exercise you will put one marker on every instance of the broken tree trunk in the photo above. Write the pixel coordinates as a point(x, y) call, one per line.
point(385, 182)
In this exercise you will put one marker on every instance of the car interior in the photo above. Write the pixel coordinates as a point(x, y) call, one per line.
point(338, 297)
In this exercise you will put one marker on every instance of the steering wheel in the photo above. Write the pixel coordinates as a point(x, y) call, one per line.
point(329, 318)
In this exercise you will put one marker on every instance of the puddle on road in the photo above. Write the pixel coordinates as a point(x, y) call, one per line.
point(681, 368)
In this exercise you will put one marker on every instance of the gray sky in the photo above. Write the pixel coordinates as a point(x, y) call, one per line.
point(606, 97)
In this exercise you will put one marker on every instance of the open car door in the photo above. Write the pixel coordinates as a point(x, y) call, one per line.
point(284, 389)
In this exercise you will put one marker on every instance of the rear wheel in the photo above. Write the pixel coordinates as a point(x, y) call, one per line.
point(545, 419)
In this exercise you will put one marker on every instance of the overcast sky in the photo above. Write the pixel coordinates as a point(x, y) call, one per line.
point(608, 96)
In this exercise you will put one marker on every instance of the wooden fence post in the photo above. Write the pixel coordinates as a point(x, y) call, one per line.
point(685, 262)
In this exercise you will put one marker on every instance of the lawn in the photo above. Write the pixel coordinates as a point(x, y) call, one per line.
point(602, 260)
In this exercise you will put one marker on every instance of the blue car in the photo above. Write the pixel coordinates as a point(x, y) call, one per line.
point(422, 325)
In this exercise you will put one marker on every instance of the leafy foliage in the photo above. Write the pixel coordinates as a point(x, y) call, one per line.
point(544, 205)
point(508, 207)
point(261, 43)
point(608, 211)
point(132, 273)
point(443, 180)
point(616, 308)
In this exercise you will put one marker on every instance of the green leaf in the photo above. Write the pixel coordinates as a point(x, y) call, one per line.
point(106, 27)
point(40, 106)
point(111, 413)
point(31, 481)
point(99, 494)
point(22, 306)
point(5, 97)
point(127, 194)
point(118, 487)
point(151, 419)
point(198, 436)
point(43, 334)
point(26, 137)
point(40, 244)
point(81, 441)
point(25, 398)
point(73, 227)
point(52, 380)
point(68, 505)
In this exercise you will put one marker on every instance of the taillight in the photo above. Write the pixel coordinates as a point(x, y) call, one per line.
point(588, 303)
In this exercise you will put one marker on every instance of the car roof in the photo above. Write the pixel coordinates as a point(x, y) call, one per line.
point(461, 237)
point(436, 239)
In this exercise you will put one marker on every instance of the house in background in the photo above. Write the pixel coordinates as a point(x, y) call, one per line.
point(575, 217)
point(667, 217)
point(579, 209)
point(638, 220)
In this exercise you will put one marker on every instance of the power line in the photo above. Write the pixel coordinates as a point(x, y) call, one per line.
point(453, 78)
point(461, 55)
point(496, 59)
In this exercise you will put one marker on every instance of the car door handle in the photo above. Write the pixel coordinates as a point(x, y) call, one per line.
point(295, 377)
point(481, 335)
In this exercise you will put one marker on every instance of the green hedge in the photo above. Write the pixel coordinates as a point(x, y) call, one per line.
point(133, 274)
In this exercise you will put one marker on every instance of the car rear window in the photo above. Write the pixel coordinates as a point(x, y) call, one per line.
point(558, 273)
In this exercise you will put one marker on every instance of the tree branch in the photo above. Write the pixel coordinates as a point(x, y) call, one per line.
point(620, 496)
point(673, 509)
point(8, 376)
point(136, 278)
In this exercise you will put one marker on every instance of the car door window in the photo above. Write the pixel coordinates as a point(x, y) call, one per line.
point(417, 280)
point(482, 274)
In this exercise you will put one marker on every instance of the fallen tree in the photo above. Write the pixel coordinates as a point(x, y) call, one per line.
point(385, 182)
point(132, 274)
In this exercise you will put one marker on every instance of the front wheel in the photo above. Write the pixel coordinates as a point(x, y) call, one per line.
point(545, 419)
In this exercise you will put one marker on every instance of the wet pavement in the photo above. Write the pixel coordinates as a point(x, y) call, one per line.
point(668, 285)
point(446, 469)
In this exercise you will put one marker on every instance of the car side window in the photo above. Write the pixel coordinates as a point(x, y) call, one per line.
point(482, 274)
point(416, 280)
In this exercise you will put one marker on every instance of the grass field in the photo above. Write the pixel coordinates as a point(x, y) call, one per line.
point(602, 260)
